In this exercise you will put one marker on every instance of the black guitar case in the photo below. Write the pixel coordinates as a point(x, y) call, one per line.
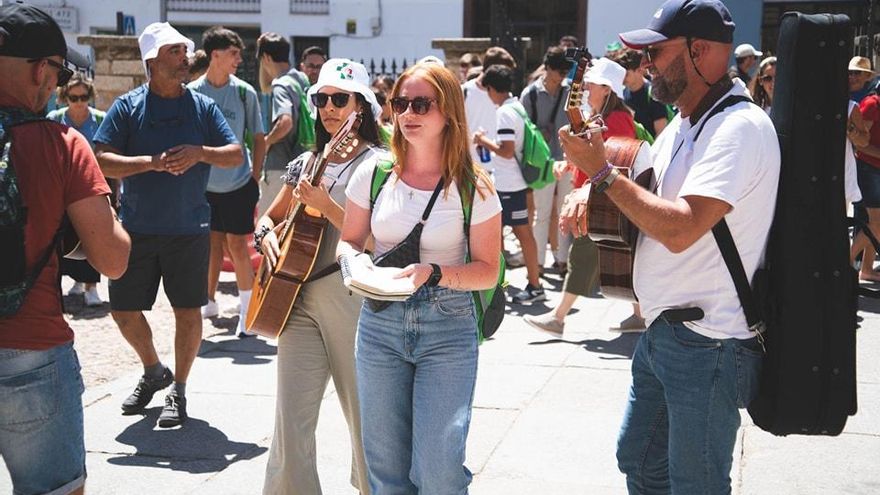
point(808, 383)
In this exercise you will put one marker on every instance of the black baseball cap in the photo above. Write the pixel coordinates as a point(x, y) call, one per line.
point(704, 19)
point(28, 32)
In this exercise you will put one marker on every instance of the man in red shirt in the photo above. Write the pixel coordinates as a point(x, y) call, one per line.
point(868, 170)
point(41, 414)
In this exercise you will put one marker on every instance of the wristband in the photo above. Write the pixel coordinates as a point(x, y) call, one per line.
point(602, 174)
point(436, 275)
point(258, 238)
point(607, 181)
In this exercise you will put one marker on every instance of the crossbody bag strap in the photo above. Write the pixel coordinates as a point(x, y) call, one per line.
point(556, 107)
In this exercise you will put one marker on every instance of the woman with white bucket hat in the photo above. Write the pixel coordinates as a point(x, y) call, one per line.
point(318, 341)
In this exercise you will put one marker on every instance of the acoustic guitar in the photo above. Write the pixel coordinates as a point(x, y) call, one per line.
point(299, 236)
point(613, 233)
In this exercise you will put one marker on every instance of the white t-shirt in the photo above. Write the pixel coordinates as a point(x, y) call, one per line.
point(850, 180)
point(508, 177)
point(735, 160)
point(480, 112)
point(399, 208)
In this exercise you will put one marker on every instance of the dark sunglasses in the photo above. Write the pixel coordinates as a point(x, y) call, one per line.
point(420, 104)
point(854, 73)
point(64, 74)
point(651, 52)
point(339, 99)
point(766, 79)
point(76, 98)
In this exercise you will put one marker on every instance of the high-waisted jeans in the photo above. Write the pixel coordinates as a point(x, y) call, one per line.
point(416, 369)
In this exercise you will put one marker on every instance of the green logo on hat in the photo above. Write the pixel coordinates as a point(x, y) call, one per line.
point(345, 72)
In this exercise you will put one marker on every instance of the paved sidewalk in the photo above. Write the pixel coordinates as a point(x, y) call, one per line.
point(546, 415)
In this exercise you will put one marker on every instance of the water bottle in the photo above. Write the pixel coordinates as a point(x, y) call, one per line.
point(485, 154)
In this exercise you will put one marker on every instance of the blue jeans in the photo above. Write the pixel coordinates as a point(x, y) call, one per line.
point(416, 369)
point(41, 420)
point(680, 425)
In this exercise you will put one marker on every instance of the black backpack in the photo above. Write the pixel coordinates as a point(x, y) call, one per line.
point(15, 281)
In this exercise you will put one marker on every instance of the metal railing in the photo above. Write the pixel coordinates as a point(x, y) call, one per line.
point(383, 68)
point(213, 5)
point(309, 6)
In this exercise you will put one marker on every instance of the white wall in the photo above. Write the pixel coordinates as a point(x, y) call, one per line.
point(407, 26)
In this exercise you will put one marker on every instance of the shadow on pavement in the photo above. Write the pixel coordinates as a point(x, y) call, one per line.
point(870, 304)
point(621, 347)
point(195, 447)
point(77, 309)
point(248, 350)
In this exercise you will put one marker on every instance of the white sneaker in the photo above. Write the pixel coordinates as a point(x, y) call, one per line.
point(210, 310)
point(93, 298)
point(78, 289)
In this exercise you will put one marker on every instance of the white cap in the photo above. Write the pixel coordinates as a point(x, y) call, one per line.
point(606, 72)
point(346, 75)
point(746, 50)
point(157, 35)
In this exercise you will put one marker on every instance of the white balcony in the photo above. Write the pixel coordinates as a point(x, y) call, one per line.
point(212, 5)
point(309, 6)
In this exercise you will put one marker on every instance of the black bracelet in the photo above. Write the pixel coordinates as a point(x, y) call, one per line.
point(258, 238)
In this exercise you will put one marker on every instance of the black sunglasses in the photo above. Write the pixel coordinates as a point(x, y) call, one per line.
point(766, 79)
point(76, 98)
point(339, 99)
point(64, 73)
point(651, 52)
point(420, 104)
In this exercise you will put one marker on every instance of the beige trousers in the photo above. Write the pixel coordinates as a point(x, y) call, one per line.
point(317, 344)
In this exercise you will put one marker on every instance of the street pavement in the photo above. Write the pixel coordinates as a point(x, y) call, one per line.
point(545, 420)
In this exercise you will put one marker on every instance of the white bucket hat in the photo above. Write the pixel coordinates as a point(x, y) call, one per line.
point(346, 75)
point(157, 35)
point(606, 72)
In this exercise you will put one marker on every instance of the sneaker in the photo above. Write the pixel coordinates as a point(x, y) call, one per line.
point(210, 310)
point(546, 322)
point(632, 323)
point(174, 412)
point(560, 267)
point(530, 294)
point(93, 298)
point(78, 289)
point(143, 393)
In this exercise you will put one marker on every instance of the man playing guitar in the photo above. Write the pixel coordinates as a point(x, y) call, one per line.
point(698, 362)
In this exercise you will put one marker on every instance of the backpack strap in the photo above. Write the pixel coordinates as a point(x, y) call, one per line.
point(533, 99)
point(380, 176)
point(242, 95)
point(729, 252)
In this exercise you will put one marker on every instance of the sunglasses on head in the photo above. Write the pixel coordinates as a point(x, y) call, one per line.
point(64, 73)
point(76, 98)
point(420, 104)
point(340, 100)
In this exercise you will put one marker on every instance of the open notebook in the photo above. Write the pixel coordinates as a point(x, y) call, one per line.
point(362, 277)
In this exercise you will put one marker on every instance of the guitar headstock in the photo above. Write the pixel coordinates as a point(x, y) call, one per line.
point(345, 140)
point(576, 94)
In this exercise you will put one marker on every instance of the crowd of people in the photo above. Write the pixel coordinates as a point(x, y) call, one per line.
point(195, 176)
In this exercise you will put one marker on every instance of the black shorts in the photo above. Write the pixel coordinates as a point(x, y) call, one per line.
point(233, 212)
point(180, 261)
point(868, 177)
point(514, 208)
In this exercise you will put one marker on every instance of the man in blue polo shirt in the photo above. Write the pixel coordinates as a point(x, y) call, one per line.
point(161, 139)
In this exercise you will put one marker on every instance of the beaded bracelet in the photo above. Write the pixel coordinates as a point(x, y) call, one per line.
point(258, 238)
point(602, 174)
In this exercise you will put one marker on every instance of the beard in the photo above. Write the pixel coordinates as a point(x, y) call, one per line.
point(667, 88)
